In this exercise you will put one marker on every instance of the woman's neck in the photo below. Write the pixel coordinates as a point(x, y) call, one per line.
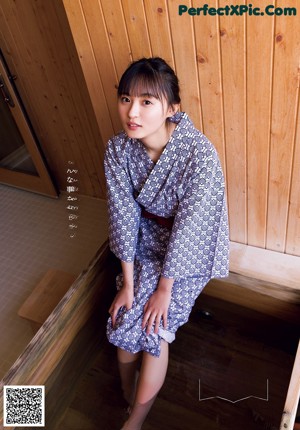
point(154, 146)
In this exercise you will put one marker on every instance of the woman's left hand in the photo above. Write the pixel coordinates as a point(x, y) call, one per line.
point(157, 306)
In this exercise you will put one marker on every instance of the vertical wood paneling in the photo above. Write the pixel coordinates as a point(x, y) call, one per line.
point(116, 30)
point(293, 232)
point(260, 32)
point(82, 126)
point(87, 136)
point(160, 41)
point(208, 57)
point(284, 98)
point(103, 57)
point(233, 49)
point(185, 61)
point(137, 28)
point(89, 67)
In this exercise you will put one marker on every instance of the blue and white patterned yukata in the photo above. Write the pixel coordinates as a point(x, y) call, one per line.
point(186, 183)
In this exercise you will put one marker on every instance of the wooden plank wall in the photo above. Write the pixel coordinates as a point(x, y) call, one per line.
point(239, 77)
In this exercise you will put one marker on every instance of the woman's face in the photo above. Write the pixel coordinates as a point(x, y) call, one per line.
point(144, 117)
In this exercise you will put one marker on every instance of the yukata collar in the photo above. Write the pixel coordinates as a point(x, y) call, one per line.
point(176, 117)
point(179, 118)
point(164, 165)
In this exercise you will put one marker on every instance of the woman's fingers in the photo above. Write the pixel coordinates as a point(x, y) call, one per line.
point(150, 320)
point(113, 314)
point(123, 298)
point(165, 320)
point(113, 311)
point(145, 319)
point(157, 321)
point(150, 323)
point(153, 314)
point(146, 307)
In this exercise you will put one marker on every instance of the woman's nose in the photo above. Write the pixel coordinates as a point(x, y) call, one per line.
point(134, 110)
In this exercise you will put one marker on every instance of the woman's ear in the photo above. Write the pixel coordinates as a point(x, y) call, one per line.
point(172, 110)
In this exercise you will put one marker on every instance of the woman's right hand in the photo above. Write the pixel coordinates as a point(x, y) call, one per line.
point(123, 298)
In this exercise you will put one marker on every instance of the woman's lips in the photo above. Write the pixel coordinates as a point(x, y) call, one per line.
point(133, 126)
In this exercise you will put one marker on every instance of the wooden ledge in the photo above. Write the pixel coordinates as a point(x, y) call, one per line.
point(45, 297)
point(265, 265)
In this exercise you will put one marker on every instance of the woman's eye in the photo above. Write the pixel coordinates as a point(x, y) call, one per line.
point(147, 102)
point(125, 99)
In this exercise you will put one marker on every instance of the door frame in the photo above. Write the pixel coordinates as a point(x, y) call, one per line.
point(43, 183)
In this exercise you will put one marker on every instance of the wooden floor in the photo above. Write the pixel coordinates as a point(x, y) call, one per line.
point(224, 352)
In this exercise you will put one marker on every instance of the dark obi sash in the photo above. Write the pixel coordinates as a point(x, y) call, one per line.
point(164, 222)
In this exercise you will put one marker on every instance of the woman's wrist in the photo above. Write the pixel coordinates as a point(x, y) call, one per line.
point(127, 270)
point(127, 285)
point(165, 284)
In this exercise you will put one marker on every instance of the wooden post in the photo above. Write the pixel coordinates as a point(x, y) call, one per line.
point(292, 399)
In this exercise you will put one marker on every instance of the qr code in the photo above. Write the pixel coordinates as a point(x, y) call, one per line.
point(24, 405)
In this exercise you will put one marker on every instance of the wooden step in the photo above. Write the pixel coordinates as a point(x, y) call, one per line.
point(45, 297)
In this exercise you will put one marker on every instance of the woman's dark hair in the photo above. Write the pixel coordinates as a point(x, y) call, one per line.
point(151, 76)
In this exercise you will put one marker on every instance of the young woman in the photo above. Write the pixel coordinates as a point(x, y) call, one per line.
point(168, 226)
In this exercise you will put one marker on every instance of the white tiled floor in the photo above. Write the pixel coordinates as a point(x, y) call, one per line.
point(34, 237)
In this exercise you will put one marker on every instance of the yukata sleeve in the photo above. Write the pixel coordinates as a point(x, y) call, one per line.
point(199, 243)
point(123, 210)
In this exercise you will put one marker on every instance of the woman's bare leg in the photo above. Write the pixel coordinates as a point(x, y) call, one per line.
point(152, 376)
point(128, 372)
